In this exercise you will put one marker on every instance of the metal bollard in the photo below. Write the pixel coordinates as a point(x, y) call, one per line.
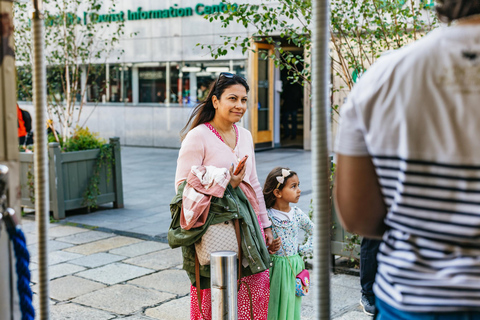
point(223, 280)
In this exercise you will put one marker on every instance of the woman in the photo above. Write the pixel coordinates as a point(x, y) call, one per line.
point(213, 139)
point(408, 170)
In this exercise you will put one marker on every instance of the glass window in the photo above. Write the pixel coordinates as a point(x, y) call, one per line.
point(193, 79)
point(120, 83)
point(152, 84)
point(96, 83)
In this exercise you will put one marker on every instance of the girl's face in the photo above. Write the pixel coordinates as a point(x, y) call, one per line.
point(232, 104)
point(291, 191)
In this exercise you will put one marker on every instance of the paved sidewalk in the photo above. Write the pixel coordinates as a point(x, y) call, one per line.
point(115, 263)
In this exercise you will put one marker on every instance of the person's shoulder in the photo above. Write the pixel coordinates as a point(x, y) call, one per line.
point(298, 211)
point(243, 131)
point(196, 134)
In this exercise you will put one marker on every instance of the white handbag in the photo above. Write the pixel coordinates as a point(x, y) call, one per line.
point(218, 237)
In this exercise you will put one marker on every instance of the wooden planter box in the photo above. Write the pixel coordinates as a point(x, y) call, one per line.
point(338, 241)
point(69, 175)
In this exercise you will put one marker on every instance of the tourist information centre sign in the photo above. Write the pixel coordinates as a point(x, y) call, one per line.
point(172, 12)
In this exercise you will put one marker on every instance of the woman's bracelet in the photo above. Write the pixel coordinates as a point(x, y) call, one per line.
point(270, 227)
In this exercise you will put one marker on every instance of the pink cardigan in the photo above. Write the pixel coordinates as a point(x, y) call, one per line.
point(202, 147)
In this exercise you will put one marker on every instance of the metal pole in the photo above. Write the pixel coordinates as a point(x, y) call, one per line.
point(320, 156)
point(41, 165)
point(223, 273)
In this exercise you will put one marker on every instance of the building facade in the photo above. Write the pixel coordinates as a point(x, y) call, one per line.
point(145, 91)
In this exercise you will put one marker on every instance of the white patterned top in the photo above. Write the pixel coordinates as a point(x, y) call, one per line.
point(288, 230)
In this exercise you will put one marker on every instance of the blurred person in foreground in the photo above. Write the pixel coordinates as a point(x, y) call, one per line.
point(408, 170)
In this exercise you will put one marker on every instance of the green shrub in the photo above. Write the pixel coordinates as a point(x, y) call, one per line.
point(83, 139)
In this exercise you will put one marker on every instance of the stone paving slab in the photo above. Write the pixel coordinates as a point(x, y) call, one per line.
point(354, 315)
point(103, 245)
point(33, 266)
point(123, 299)
point(30, 238)
point(57, 271)
point(58, 257)
point(63, 231)
point(115, 273)
point(70, 287)
point(140, 248)
point(172, 310)
point(343, 298)
point(89, 236)
point(172, 281)
point(138, 317)
point(35, 303)
point(158, 260)
point(72, 311)
point(97, 259)
point(52, 245)
point(153, 229)
point(123, 226)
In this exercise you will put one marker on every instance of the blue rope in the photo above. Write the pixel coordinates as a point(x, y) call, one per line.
point(23, 272)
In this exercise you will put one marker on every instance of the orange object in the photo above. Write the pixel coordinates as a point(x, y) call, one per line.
point(240, 165)
point(22, 132)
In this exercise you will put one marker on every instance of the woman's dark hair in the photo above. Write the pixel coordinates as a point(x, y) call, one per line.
point(449, 10)
point(205, 111)
point(271, 184)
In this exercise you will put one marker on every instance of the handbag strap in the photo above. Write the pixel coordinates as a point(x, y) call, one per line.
point(197, 269)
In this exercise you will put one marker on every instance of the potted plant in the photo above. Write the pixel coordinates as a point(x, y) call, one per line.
point(84, 171)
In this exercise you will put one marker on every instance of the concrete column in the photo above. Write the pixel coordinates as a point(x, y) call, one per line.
point(193, 87)
point(122, 84)
point(167, 93)
point(83, 83)
point(107, 82)
point(135, 85)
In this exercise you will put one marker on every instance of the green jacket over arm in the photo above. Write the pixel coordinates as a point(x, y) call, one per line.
point(233, 205)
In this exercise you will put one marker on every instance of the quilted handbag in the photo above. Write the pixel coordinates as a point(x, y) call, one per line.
point(218, 237)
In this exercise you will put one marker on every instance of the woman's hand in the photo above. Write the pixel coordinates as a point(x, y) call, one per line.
point(275, 246)
point(236, 180)
point(268, 236)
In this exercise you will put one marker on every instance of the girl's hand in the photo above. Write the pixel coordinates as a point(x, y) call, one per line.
point(268, 236)
point(236, 180)
point(275, 246)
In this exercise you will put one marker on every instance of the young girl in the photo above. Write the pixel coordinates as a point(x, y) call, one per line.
point(282, 187)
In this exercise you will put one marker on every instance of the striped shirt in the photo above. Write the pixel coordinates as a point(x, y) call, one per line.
point(417, 113)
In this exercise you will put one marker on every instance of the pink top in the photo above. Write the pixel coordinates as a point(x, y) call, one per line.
point(201, 146)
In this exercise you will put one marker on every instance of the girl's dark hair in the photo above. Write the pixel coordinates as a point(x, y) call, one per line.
point(449, 10)
point(205, 111)
point(271, 184)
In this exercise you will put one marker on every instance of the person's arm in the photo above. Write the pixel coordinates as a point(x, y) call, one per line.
point(358, 198)
point(191, 153)
point(306, 225)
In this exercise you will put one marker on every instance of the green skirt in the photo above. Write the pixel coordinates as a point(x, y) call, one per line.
point(283, 303)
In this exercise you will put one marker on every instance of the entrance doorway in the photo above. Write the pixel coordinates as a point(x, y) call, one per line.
point(291, 110)
point(261, 122)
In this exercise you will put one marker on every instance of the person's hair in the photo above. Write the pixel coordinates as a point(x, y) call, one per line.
point(205, 111)
point(449, 10)
point(271, 184)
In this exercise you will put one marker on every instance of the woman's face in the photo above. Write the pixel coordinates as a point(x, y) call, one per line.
point(232, 104)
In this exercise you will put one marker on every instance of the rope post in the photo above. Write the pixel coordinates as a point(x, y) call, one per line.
point(321, 157)
point(223, 281)
point(42, 215)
